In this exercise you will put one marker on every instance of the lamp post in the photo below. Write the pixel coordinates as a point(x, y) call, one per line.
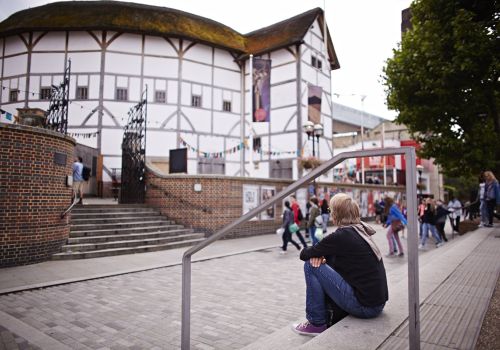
point(420, 168)
point(314, 130)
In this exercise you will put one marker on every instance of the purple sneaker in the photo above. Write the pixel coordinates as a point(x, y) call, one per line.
point(307, 328)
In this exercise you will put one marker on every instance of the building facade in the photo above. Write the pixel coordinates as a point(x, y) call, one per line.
point(197, 73)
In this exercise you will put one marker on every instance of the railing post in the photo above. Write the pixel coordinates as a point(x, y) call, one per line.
point(413, 280)
point(186, 302)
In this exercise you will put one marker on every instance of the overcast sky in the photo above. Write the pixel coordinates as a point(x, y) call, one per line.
point(364, 32)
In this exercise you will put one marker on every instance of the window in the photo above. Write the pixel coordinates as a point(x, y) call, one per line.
point(226, 106)
point(82, 93)
point(211, 166)
point(160, 96)
point(316, 62)
point(281, 169)
point(13, 95)
point(313, 61)
point(45, 93)
point(121, 94)
point(196, 100)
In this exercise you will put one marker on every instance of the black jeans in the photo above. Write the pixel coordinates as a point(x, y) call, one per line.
point(301, 239)
point(440, 229)
point(287, 237)
point(490, 206)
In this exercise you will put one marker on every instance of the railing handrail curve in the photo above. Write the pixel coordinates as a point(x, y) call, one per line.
point(409, 153)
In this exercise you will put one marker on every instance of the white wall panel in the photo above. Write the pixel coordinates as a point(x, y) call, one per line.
point(83, 41)
point(283, 95)
point(186, 94)
point(15, 65)
point(158, 113)
point(110, 163)
point(134, 90)
point(282, 73)
point(158, 143)
point(119, 110)
point(172, 91)
point(324, 82)
point(34, 87)
point(316, 28)
point(52, 41)
point(85, 61)
point(227, 79)
point(206, 99)
point(111, 141)
point(123, 64)
point(158, 46)
point(281, 117)
point(94, 86)
point(217, 99)
point(281, 56)
point(121, 81)
point(236, 102)
point(232, 169)
point(109, 87)
point(196, 72)
point(47, 62)
point(90, 142)
point(73, 85)
point(126, 43)
point(199, 53)
point(161, 67)
point(82, 80)
point(224, 122)
point(46, 80)
point(199, 118)
point(283, 143)
point(151, 89)
point(13, 45)
point(211, 144)
point(310, 74)
point(224, 59)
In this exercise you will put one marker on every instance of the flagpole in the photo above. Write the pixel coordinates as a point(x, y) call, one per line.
point(251, 106)
point(325, 35)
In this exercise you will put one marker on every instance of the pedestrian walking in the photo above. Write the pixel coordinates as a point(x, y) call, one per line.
point(287, 222)
point(314, 212)
point(346, 266)
point(483, 208)
point(429, 224)
point(441, 215)
point(298, 217)
point(395, 222)
point(78, 179)
point(325, 214)
point(456, 212)
point(491, 195)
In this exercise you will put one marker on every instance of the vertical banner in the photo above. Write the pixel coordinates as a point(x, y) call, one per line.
point(261, 97)
point(314, 104)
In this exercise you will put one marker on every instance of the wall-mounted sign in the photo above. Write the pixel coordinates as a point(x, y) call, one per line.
point(250, 198)
point(60, 158)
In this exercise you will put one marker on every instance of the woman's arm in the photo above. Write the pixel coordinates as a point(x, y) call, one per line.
point(327, 246)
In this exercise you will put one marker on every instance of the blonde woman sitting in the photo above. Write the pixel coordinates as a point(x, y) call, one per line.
point(346, 266)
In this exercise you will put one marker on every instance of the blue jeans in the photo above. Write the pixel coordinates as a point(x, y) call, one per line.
point(324, 279)
point(425, 233)
point(312, 231)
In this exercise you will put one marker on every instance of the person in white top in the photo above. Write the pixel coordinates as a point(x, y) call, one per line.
point(456, 212)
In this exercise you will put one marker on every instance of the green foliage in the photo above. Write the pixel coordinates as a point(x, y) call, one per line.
point(444, 81)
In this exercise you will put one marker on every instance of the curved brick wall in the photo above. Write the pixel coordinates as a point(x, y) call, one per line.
point(33, 193)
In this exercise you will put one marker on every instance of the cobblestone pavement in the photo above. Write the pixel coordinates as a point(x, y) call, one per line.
point(235, 300)
point(11, 341)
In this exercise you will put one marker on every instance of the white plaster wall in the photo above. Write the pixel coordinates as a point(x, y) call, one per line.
point(85, 62)
point(158, 113)
point(232, 169)
point(206, 97)
point(94, 82)
point(196, 72)
point(226, 78)
point(199, 53)
point(225, 122)
point(14, 45)
point(283, 73)
point(186, 94)
point(283, 120)
point(159, 143)
point(282, 56)
point(172, 91)
point(126, 43)
point(47, 62)
point(52, 41)
point(15, 65)
point(109, 87)
point(83, 40)
point(224, 59)
point(159, 46)
point(34, 87)
point(199, 119)
point(283, 95)
point(122, 63)
point(161, 67)
point(111, 142)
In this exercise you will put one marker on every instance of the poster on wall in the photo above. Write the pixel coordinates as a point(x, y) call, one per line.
point(261, 97)
point(266, 193)
point(314, 104)
point(250, 198)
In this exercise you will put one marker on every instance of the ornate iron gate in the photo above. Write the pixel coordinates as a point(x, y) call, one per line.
point(133, 184)
point(57, 114)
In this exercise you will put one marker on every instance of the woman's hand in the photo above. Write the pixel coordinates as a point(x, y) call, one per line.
point(316, 262)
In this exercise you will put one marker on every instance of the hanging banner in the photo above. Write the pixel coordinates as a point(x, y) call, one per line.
point(314, 104)
point(261, 107)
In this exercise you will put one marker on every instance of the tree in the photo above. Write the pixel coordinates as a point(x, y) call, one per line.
point(444, 81)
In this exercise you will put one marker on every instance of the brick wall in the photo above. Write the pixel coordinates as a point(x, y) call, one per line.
point(33, 193)
point(220, 200)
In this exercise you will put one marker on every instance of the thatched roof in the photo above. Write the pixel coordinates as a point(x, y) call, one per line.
point(145, 19)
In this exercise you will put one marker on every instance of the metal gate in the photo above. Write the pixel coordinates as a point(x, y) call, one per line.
point(57, 114)
point(133, 184)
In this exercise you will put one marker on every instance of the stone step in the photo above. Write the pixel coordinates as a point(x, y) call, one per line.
point(86, 247)
point(127, 230)
point(113, 214)
point(109, 209)
point(131, 236)
point(118, 225)
point(127, 250)
point(115, 220)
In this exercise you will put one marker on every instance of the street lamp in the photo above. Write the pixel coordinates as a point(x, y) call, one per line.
point(314, 130)
point(420, 168)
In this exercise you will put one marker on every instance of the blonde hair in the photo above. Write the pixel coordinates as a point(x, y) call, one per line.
point(345, 210)
point(488, 175)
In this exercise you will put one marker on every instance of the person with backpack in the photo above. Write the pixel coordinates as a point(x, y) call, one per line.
point(298, 217)
point(287, 234)
point(78, 179)
point(313, 222)
point(325, 213)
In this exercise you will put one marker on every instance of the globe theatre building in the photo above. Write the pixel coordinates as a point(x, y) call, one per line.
point(198, 76)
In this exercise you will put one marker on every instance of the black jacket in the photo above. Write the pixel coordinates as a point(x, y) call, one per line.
point(348, 254)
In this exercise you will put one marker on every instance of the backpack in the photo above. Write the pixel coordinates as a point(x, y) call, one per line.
point(300, 216)
point(86, 173)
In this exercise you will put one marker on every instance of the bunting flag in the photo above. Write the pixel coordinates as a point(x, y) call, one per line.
point(8, 115)
point(85, 135)
point(221, 154)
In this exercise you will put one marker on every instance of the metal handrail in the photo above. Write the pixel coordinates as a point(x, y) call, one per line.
point(411, 200)
point(65, 212)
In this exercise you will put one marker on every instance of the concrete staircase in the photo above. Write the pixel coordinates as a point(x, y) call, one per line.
point(106, 230)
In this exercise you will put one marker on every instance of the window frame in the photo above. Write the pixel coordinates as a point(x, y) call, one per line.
point(225, 104)
point(196, 101)
point(119, 93)
point(164, 100)
point(80, 96)
point(13, 98)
